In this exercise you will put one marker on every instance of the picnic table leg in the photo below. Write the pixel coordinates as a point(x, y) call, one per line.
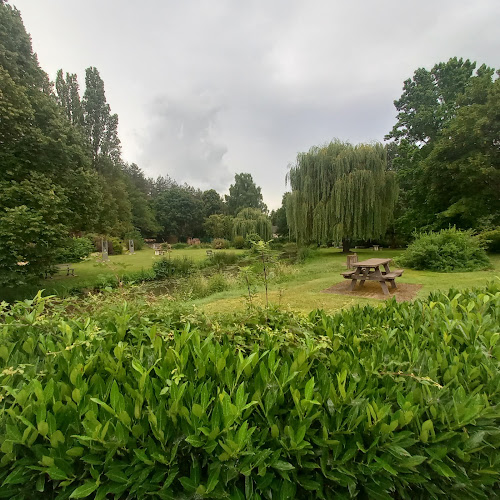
point(393, 283)
point(363, 278)
point(352, 286)
point(386, 267)
point(384, 287)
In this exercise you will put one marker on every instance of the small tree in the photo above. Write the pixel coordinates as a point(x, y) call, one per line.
point(341, 192)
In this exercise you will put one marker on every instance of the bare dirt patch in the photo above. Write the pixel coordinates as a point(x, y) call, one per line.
point(373, 290)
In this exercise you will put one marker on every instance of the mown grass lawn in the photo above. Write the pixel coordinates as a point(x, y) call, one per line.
point(302, 292)
point(299, 291)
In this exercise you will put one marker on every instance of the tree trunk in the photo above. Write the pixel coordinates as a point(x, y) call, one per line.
point(346, 246)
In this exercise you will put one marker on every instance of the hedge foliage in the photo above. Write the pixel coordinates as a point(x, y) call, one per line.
point(400, 401)
point(449, 250)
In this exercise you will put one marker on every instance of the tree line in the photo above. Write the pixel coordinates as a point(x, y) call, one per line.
point(63, 174)
point(440, 167)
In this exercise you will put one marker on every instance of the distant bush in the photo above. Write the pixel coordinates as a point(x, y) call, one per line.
point(275, 244)
point(138, 276)
point(166, 268)
point(449, 250)
point(180, 246)
point(251, 239)
point(115, 246)
point(96, 240)
point(137, 237)
point(76, 249)
point(197, 286)
point(239, 242)
point(222, 259)
point(219, 243)
point(491, 240)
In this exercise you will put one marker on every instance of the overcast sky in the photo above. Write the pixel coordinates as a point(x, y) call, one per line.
point(208, 88)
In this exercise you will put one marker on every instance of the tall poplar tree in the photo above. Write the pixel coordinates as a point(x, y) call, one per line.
point(68, 97)
point(101, 126)
point(341, 192)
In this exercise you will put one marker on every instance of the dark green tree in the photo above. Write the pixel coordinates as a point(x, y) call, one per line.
point(47, 186)
point(278, 218)
point(212, 202)
point(244, 193)
point(143, 216)
point(341, 193)
point(430, 102)
point(16, 54)
point(463, 168)
point(179, 213)
point(219, 226)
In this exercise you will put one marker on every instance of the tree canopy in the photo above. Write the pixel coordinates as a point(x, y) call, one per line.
point(443, 148)
point(244, 193)
point(251, 221)
point(341, 192)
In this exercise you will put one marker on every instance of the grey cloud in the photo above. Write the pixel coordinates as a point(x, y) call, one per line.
point(207, 89)
point(181, 141)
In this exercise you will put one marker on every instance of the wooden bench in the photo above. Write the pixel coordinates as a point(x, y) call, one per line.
point(394, 274)
point(49, 273)
point(348, 274)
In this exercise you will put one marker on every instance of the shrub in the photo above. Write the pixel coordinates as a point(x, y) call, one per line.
point(239, 242)
point(400, 401)
point(221, 259)
point(217, 283)
point(292, 253)
point(137, 237)
point(180, 246)
point(276, 244)
point(491, 240)
point(139, 276)
point(166, 268)
point(115, 246)
point(76, 249)
point(96, 240)
point(219, 243)
point(251, 239)
point(445, 251)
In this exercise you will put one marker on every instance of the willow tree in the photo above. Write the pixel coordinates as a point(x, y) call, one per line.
point(252, 221)
point(341, 193)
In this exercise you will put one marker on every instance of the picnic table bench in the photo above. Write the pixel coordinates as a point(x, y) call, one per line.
point(369, 270)
point(49, 273)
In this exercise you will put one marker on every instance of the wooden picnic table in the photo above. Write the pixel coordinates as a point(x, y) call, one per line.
point(370, 270)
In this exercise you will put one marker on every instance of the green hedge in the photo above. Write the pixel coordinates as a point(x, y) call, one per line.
point(448, 250)
point(491, 240)
point(399, 401)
